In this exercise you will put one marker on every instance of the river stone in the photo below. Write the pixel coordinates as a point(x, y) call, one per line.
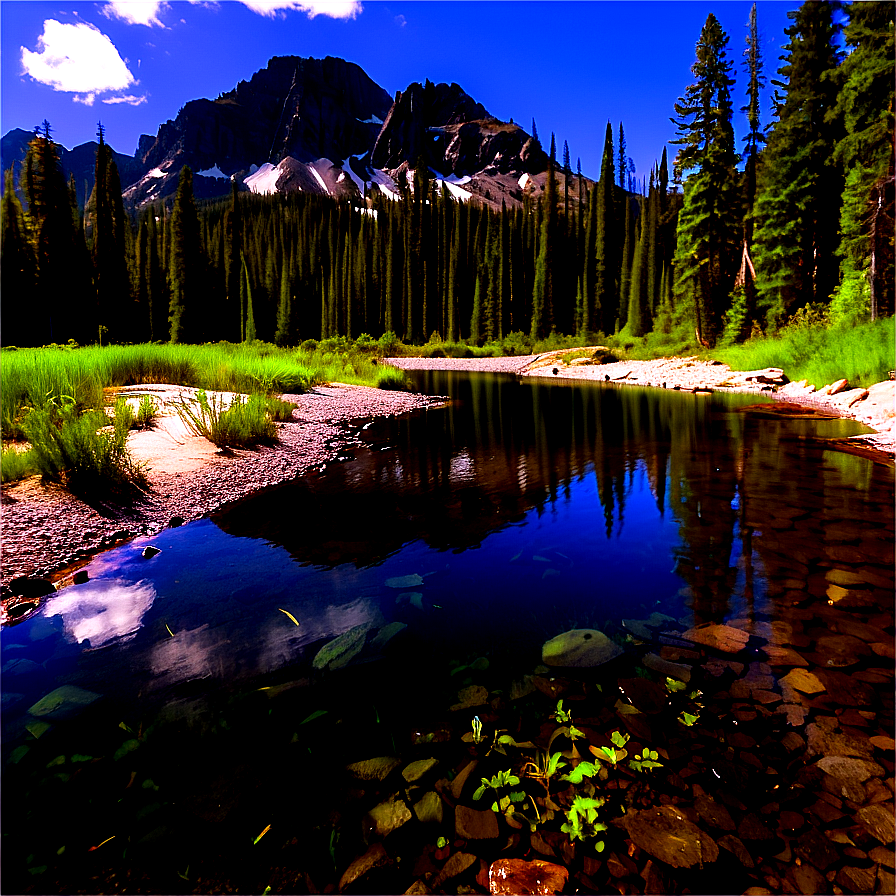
point(882, 742)
point(517, 876)
point(713, 813)
point(721, 637)
point(412, 581)
point(457, 863)
point(376, 769)
point(417, 769)
point(784, 656)
point(878, 821)
point(459, 782)
point(149, 552)
point(342, 650)
point(581, 648)
point(474, 695)
point(475, 824)
point(389, 815)
point(23, 586)
point(386, 634)
point(668, 836)
point(736, 846)
point(801, 680)
point(847, 690)
point(806, 879)
point(856, 880)
point(845, 578)
point(813, 847)
point(63, 703)
point(375, 857)
point(429, 809)
point(824, 742)
point(666, 667)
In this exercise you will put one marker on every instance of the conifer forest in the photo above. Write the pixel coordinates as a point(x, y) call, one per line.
point(721, 242)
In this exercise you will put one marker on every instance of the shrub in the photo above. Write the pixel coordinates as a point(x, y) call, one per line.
point(15, 465)
point(83, 451)
point(241, 424)
point(146, 412)
point(392, 378)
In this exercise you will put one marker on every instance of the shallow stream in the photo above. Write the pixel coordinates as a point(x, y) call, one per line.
point(454, 545)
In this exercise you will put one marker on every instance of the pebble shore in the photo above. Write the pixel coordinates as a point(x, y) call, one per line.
point(46, 529)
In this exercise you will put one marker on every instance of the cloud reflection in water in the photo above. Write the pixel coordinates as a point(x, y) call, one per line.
point(101, 612)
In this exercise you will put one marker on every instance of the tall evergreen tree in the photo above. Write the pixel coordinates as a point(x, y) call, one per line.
point(866, 151)
point(604, 304)
point(796, 214)
point(707, 234)
point(17, 270)
point(622, 160)
point(185, 270)
point(543, 290)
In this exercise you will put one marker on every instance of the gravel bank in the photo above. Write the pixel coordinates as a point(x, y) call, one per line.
point(45, 529)
point(875, 406)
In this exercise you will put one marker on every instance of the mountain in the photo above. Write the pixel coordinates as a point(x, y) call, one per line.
point(80, 161)
point(323, 126)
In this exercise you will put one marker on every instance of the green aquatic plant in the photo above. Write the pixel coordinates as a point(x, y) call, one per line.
point(582, 821)
point(501, 782)
point(477, 730)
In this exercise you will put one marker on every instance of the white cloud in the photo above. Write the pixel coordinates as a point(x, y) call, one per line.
point(88, 99)
point(136, 12)
point(335, 9)
point(76, 59)
point(130, 100)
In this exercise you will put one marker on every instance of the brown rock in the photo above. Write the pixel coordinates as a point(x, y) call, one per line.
point(845, 578)
point(806, 879)
point(822, 741)
point(882, 742)
point(516, 876)
point(418, 888)
point(847, 690)
point(456, 864)
point(751, 828)
point(473, 824)
point(790, 821)
point(388, 816)
point(429, 809)
point(856, 880)
point(878, 820)
point(816, 849)
point(713, 813)
point(667, 835)
point(719, 637)
point(796, 715)
point(416, 770)
point(784, 656)
point(646, 696)
point(849, 768)
point(678, 671)
point(801, 680)
point(857, 629)
point(377, 769)
point(884, 649)
point(474, 695)
point(886, 882)
point(375, 857)
point(735, 845)
point(457, 785)
point(883, 856)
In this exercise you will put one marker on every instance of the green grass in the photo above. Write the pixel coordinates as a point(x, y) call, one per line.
point(84, 451)
point(861, 353)
point(237, 424)
point(16, 464)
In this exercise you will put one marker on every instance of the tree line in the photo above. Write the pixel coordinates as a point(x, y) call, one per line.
point(714, 251)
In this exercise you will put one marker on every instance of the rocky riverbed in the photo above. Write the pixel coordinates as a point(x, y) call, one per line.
point(46, 529)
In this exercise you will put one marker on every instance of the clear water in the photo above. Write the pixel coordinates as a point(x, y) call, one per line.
point(525, 508)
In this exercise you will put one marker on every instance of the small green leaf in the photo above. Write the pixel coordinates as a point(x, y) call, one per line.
point(517, 796)
point(688, 719)
point(619, 739)
point(479, 792)
point(672, 685)
point(599, 846)
point(315, 715)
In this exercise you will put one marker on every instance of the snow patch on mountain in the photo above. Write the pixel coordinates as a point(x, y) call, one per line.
point(372, 120)
point(524, 179)
point(263, 179)
point(319, 179)
point(156, 172)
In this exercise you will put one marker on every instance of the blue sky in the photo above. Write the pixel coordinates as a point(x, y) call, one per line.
point(571, 65)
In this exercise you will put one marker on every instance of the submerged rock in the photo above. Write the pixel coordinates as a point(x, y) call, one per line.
point(581, 648)
point(667, 835)
point(722, 637)
point(342, 650)
point(517, 876)
point(376, 769)
point(375, 857)
point(388, 816)
point(63, 703)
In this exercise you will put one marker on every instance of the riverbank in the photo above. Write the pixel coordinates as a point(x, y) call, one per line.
point(875, 407)
point(46, 530)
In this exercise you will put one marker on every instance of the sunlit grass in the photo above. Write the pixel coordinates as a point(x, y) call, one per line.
point(239, 423)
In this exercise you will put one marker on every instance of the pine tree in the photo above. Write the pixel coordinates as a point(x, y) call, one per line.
point(185, 269)
point(622, 160)
point(795, 213)
point(707, 234)
point(637, 301)
point(866, 151)
point(543, 291)
point(17, 270)
point(109, 251)
point(603, 303)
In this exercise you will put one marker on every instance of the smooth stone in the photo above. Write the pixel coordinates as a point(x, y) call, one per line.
point(456, 787)
point(26, 587)
point(883, 856)
point(417, 769)
point(815, 848)
point(457, 863)
point(646, 696)
point(386, 634)
point(856, 880)
point(857, 629)
point(882, 742)
point(339, 652)
point(509, 877)
point(375, 857)
point(714, 814)
point(847, 690)
point(784, 656)
point(411, 581)
point(751, 828)
point(884, 649)
point(807, 879)
point(801, 680)
point(666, 667)
point(474, 695)
point(475, 824)
point(429, 809)
point(846, 578)
point(735, 845)
point(376, 769)
point(389, 815)
point(580, 648)
point(667, 835)
point(63, 703)
point(720, 637)
point(822, 741)
point(418, 888)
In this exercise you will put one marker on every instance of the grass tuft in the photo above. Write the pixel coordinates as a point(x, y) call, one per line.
point(238, 424)
point(16, 464)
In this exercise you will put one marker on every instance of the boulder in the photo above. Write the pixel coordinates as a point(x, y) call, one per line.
point(342, 650)
point(388, 816)
point(375, 857)
point(517, 876)
point(376, 769)
point(581, 648)
point(63, 703)
point(721, 637)
point(667, 835)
